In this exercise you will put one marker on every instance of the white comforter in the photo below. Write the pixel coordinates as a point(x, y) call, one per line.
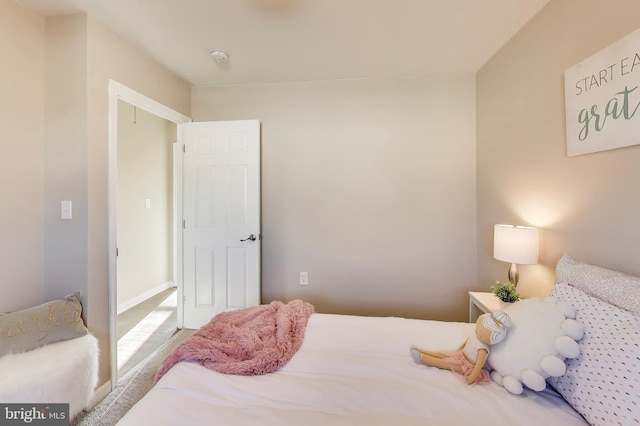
point(350, 370)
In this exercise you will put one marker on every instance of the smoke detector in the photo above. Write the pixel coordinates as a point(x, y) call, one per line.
point(219, 55)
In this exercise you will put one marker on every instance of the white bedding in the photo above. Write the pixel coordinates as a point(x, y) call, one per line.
point(350, 370)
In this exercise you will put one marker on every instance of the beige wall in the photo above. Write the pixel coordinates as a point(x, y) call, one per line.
point(368, 185)
point(585, 205)
point(81, 57)
point(21, 141)
point(65, 155)
point(145, 235)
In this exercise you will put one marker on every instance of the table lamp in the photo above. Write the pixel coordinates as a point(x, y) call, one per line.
point(517, 245)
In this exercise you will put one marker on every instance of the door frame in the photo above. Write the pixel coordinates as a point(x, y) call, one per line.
point(118, 91)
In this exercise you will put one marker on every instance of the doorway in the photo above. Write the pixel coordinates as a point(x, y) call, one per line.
point(145, 279)
point(138, 106)
point(238, 207)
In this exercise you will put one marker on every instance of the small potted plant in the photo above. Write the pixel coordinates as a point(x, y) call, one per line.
point(505, 291)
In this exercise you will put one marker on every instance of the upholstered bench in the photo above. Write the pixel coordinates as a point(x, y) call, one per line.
point(47, 356)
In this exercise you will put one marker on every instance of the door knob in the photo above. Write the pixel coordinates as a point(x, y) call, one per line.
point(251, 237)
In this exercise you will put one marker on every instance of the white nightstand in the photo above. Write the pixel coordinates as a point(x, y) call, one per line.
point(481, 302)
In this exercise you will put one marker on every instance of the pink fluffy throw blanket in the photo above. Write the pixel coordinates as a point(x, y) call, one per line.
point(249, 341)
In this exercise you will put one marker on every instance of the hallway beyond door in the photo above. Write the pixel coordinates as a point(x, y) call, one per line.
point(144, 328)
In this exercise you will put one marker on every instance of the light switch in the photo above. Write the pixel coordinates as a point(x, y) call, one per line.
point(147, 203)
point(65, 210)
point(304, 278)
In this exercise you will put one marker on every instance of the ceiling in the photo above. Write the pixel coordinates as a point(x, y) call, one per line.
point(298, 40)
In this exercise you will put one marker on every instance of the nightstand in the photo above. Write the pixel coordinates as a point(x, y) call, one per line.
point(482, 302)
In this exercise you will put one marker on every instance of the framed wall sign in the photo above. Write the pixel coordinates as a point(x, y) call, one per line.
point(602, 99)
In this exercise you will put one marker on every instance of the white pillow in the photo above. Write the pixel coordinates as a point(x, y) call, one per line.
point(603, 382)
point(542, 335)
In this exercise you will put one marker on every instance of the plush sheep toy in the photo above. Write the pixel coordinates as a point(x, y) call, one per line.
point(469, 359)
point(542, 335)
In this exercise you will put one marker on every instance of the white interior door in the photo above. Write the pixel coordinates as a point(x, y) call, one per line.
point(221, 212)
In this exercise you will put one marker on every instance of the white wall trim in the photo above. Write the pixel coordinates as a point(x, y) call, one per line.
point(117, 92)
point(100, 393)
point(177, 230)
point(144, 296)
point(146, 103)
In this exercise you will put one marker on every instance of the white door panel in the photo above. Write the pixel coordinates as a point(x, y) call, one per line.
point(221, 208)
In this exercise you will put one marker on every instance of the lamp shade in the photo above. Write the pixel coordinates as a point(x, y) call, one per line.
point(515, 244)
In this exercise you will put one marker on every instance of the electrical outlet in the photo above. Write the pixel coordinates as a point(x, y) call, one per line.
point(304, 278)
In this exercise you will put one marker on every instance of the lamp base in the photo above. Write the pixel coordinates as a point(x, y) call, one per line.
point(514, 276)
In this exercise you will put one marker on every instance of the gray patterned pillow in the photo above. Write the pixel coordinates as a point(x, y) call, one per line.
point(613, 287)
point(50, 322)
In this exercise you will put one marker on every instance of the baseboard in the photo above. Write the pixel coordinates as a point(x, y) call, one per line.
point(100, 394)
point(144, 296)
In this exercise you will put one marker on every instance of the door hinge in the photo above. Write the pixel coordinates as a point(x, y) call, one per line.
point(184, 224)
point(184, 147)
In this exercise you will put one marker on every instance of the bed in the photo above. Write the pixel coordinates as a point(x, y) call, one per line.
point(353, 370)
